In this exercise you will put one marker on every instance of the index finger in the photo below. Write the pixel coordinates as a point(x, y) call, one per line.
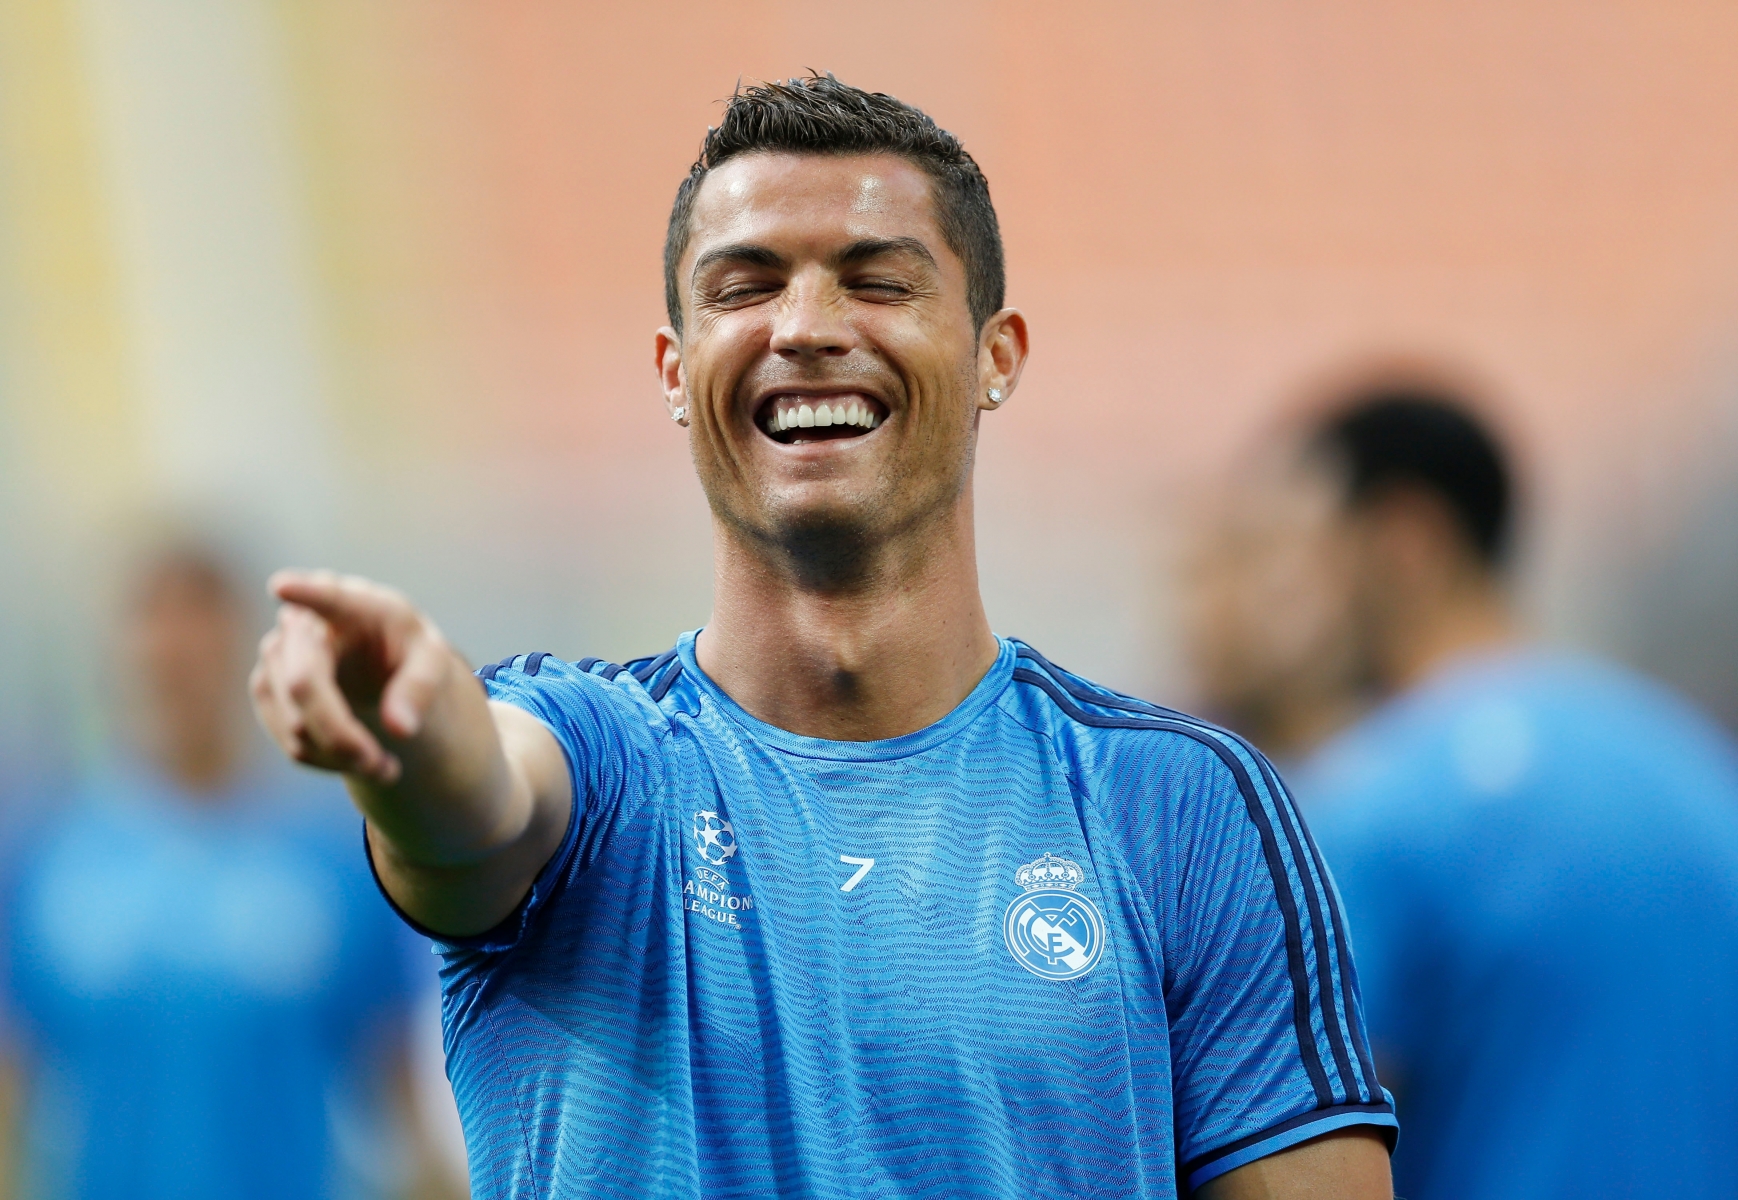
point(345, 599)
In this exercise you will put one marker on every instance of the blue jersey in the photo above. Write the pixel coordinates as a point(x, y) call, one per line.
point(1540, 857)
point(1060, 942)
point(199, 988)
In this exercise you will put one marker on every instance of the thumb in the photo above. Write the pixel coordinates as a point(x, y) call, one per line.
point(414, 685)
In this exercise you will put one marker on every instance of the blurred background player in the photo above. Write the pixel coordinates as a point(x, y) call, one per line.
point(1538, 851)
point(203, 995)
point(1263, 595)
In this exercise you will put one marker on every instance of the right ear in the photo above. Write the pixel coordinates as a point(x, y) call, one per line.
point(667, 355)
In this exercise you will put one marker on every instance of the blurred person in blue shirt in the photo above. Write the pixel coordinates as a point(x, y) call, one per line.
point(203, 996)
point(1538, 851)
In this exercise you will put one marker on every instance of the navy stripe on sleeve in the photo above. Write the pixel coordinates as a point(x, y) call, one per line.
point(663, 686)
point(1313, 891)
point(1300, 1128)
point(489, 672)
point(1099, 696)
point(652, 666)
point(1343, 948)
point(1320, 896)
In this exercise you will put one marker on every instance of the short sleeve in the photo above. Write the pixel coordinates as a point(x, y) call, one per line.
point(611, 734)
point(1268, 1042)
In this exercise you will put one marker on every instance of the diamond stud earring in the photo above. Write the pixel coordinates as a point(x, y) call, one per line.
point(679, 415)
point(995, 395)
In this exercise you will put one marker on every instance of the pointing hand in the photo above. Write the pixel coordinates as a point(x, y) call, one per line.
point(350, 666)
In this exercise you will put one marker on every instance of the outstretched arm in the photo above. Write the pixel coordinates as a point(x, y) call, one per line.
point(465, 799)
point(1351, 1164)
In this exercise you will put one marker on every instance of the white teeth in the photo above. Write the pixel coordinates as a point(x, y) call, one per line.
point(821, 415)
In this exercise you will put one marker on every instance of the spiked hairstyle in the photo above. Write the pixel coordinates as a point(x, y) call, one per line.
point(820, 115)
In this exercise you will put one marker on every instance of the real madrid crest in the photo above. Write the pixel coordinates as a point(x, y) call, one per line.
point(1055, 931)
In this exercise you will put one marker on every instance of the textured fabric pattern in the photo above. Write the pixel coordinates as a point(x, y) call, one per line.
point(711, 992)
point(1540, 854)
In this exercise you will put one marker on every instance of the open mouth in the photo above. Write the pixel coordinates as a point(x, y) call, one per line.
point(795, 419)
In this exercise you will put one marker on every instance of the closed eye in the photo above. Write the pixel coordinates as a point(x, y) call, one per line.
point(890, 287)
point(736, 295)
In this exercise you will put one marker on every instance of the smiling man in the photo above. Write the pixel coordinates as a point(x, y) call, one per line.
point(844, 895)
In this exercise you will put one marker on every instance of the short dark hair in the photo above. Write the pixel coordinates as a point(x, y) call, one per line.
point(820, 115)
point(1427, 438)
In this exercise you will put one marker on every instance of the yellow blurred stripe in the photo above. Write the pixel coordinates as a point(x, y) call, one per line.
point(71, 393)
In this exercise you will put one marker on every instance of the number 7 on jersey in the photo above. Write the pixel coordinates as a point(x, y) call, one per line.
point(862, 864)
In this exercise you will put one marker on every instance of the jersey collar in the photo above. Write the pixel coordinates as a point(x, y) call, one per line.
point(988, 688)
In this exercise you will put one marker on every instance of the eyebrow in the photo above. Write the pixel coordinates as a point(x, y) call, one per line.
point(866, 248)
point(746, 253)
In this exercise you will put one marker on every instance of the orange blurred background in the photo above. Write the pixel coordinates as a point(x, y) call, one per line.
point(375, 282)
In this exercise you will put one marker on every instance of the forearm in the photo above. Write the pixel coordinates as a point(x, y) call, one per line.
point(490, 846)
point(491, 823)
point(456, 800)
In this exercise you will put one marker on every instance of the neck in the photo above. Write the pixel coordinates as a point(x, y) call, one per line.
point(893, 651)
point(1292, 728)
point(1471, 616)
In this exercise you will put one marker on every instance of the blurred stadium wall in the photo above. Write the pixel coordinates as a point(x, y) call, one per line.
point(373, 282)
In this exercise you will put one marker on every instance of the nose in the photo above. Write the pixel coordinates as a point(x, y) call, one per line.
point(811, 323)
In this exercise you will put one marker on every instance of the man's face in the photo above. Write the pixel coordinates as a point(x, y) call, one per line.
point(828, 359)
point(182, 642)
point(1267, 590)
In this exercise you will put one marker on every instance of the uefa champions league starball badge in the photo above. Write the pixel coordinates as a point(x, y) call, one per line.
point(714, 838)
point(1055, 931)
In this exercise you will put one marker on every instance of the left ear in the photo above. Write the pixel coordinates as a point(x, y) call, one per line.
point(1002, 349)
